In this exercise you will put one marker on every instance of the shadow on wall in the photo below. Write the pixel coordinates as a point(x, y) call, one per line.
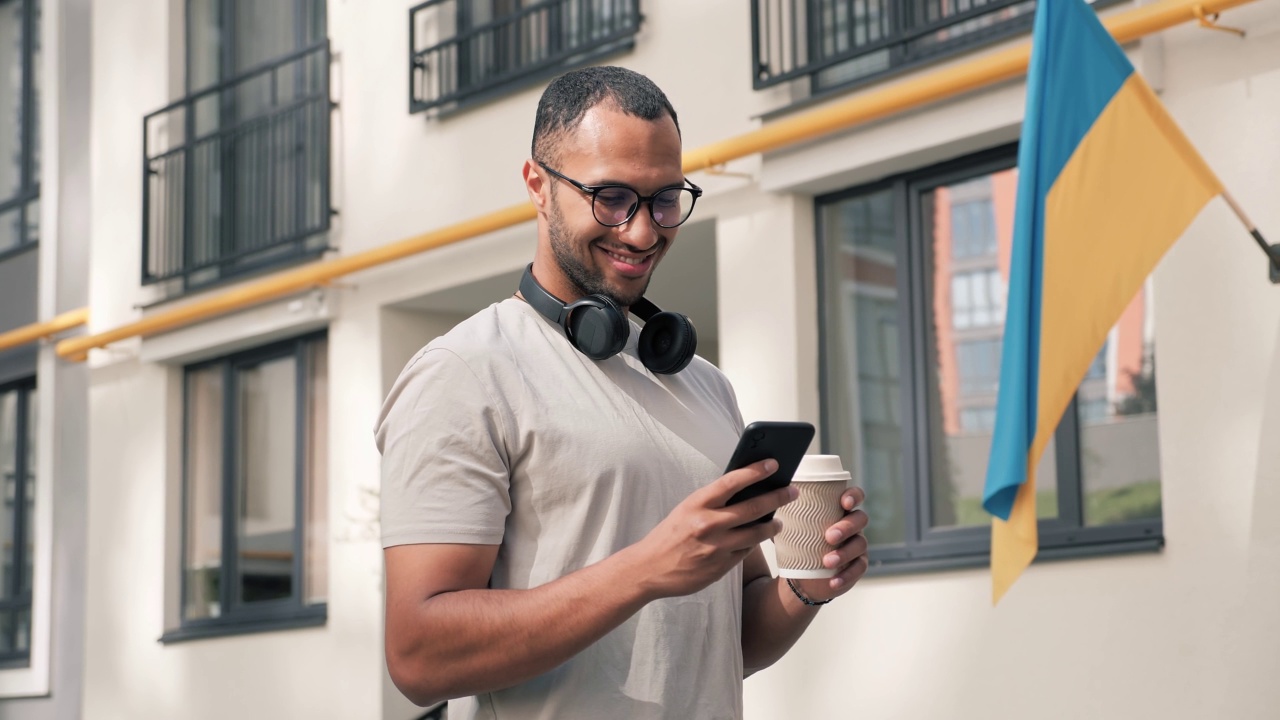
point(1248, 652)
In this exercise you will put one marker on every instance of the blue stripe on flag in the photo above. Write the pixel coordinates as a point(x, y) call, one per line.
point(1069, 98)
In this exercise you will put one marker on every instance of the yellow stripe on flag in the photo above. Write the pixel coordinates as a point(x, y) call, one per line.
point(1129, 191)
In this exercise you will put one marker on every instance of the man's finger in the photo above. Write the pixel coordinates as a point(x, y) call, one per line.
point(719, 492)
point(852, 498)
point(748, 510)
point(752, 535)
point(846, 553)
point(848, 526)
point(851, 574)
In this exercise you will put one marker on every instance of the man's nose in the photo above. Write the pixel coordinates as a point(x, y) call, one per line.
point(639, 233)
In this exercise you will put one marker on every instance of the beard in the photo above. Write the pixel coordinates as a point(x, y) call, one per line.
point(587, 280)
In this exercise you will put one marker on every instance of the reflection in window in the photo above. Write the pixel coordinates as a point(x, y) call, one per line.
point(1119, 431)
point(913, 325)
point(1098, 368)
point(256, 436)
point(977, 298)
point(19, 123)
point(865, 426)
point(960, 223)
point(18, 474)
point(978, 362)
point(978, 419)
point(973, 227)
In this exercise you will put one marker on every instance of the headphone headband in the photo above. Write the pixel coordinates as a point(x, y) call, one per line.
point(547, 305)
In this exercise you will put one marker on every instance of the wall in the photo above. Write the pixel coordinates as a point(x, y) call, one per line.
point(1138, 635)
point(1184, 633)
point(56, 272)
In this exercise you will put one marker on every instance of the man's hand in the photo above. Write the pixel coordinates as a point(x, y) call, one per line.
point(848, 554)
point(772, 617)
point(702, 538)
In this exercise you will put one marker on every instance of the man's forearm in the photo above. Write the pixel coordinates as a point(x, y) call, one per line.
point(474, 641)
point(772, 621)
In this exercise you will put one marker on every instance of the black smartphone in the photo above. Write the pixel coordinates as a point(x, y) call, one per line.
point(784, 441)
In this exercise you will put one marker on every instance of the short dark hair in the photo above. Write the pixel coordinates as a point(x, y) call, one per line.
point(571, 95)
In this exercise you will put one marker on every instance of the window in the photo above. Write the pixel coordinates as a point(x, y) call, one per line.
point(977, 298)
point(18, 473)
point(842, 43)
point(238, 168)
point(19, 123)
point(911, 347)
point(978, 364)
point(973, 226)
point(464, 51)
point(255, 490)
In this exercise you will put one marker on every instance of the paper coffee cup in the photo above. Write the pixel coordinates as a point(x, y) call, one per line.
point(802, 544)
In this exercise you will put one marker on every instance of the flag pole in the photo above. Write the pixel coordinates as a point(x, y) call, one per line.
point(1272, 251)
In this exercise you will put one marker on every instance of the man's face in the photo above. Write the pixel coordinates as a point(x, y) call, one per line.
point(610, 147)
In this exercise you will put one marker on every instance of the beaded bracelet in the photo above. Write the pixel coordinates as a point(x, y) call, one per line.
point(803, 599)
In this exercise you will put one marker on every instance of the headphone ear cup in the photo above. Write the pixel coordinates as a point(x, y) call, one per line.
point(596, 327)
point(667, 343)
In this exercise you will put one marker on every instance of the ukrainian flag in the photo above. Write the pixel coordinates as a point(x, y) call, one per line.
point(1107, 182)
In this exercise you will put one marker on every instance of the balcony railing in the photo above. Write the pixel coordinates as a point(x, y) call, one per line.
point(458, 54)
point(844, 42)
point(19, 221)
point(237, 174)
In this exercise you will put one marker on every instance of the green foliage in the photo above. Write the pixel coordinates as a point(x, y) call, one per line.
point(1138, 501)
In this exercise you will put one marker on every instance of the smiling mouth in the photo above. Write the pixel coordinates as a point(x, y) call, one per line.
point(629, 260)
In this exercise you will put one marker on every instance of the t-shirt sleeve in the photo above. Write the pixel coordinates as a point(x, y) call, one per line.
point(445, 476)
point(734, 411)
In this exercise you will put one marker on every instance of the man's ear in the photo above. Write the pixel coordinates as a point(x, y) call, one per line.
point(536, 184)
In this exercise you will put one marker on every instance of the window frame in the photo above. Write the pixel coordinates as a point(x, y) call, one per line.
point(171, 248)
point(900, 59)
point(26, 200)
point(270, 615)
point(23, 434)
point(925, 547)
point(436, 87)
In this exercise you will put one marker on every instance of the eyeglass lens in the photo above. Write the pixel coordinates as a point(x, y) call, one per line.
point(669, 208)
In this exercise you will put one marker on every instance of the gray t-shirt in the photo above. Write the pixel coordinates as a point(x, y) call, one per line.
point(500, 433)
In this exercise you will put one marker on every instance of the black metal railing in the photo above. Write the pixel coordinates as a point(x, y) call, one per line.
point(20, 207)
point(842, 42)
point(457, 54)
point(236, 175)
point(19, 221)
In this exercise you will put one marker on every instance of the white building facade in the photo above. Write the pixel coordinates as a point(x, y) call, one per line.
point(210, 537)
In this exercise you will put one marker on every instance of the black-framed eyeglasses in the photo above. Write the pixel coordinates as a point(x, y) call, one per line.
point(614, 205)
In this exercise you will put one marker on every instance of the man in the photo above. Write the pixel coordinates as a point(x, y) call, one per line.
point(556, 535)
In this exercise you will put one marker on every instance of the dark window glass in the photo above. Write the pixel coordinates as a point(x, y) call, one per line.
point(19, 123)
point(914, 273)
point(238, 168)
point(18, 475)
point(978, 364)
point(864, 347)
point(843, 43)
point(256, 485)
point(1119, 426)
point(462, 51)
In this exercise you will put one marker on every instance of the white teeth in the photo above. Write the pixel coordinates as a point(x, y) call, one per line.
point(629, 261)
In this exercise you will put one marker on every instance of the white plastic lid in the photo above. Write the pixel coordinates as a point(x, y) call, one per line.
point(820, 468)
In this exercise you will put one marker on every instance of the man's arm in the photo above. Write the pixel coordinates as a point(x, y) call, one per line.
point(773, 618)
point(448, 635)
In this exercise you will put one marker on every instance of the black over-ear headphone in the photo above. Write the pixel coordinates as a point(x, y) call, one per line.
point(597, 327)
